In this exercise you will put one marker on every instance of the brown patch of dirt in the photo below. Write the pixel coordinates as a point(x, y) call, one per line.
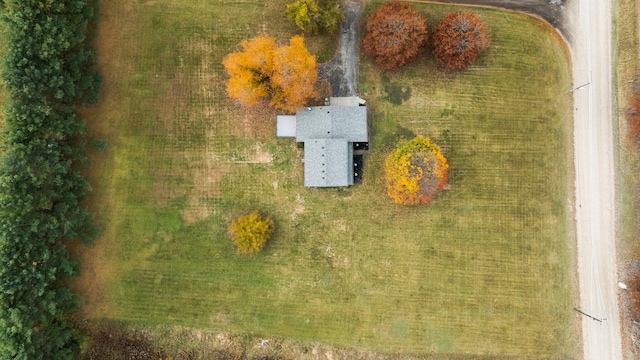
point(254, 121)
point(174, 99)
point(189, 96)
point(113, 341)
point(260, 155)
point(204, 173)
point(206, 182)
point(195, 211)
point(164, 185)
point(298, 207)
point(115, 25)
point(323, 90)
point(95, 269)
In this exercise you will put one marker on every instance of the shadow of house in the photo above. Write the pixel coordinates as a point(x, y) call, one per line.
point(329, 134)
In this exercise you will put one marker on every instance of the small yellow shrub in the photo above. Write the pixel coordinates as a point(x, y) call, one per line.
point(250, 232)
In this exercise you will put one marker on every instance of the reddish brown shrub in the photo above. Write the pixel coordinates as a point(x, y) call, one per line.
point(634, 292)
point(633, 116)
point(458, 39)
point(396, 34)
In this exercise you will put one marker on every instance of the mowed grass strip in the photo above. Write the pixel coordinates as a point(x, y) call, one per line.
point(485, 269)
point(626, 66)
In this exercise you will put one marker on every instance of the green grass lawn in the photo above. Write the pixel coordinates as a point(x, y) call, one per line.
point(486, 269)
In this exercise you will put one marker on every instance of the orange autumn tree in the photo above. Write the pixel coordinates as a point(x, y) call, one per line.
point(415, 172)
point(458, 39)
point(285, 75)
point(396, 34)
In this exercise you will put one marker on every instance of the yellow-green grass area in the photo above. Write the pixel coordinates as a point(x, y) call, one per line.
point(484, 270)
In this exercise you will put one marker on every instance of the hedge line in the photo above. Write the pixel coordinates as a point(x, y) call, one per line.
point(48, 69)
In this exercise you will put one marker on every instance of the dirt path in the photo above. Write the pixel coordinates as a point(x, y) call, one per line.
point(342, 70)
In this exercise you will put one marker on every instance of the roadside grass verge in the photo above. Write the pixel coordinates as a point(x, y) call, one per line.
point(485, 269)
point(626, 80)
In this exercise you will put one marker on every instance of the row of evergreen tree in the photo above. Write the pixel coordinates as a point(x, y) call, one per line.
point(48, 71)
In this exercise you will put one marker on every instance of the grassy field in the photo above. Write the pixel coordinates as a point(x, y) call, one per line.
point(485, 269)
point(626, 67)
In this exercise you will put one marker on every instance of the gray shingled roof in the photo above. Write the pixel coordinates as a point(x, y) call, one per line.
point(326, 162)
point(328, 133)
point(332, 122)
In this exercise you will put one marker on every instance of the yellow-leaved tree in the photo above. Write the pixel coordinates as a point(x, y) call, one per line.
point(314, 16)
point(415, 171)
point(286, 75)
point(250, 232)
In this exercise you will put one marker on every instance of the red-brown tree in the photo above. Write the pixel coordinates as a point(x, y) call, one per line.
point(396, 34)
point(458, 39)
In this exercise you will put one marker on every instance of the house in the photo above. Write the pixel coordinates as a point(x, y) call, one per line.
point(329, 134)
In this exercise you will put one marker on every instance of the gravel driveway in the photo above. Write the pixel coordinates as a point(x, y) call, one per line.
point(342, 70)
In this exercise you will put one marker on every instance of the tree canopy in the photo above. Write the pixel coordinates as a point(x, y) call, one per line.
point(286, 75)
point(315, 16)
point(415, 171)
point(396, 34)
point(48, 68)
point(250, 232)
point(458, 39)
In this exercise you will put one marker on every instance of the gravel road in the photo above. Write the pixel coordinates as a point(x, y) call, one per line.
point(589, 21)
